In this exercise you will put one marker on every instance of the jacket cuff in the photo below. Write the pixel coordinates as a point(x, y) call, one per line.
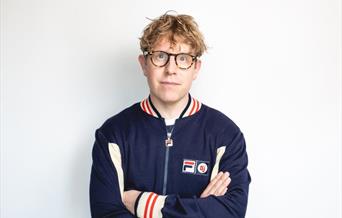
point(149, 204)
point(136, 204)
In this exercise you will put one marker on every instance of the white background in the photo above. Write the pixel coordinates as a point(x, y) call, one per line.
point(273, 66)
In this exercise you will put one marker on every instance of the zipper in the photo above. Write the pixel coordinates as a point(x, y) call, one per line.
point(168, 144)
point(168, 141)
point(165, 170)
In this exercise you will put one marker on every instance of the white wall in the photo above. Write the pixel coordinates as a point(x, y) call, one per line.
point(273, 66)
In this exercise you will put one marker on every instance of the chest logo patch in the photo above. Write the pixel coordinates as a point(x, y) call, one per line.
point(195, 167)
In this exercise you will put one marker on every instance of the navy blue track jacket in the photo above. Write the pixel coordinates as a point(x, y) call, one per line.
point(131, 151)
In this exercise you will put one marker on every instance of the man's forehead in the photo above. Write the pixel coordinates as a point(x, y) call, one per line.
point(178, 45)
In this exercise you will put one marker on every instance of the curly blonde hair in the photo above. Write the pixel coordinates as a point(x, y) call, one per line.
point(174, 27)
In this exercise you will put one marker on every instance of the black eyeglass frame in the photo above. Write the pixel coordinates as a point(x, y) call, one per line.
point(193, 60)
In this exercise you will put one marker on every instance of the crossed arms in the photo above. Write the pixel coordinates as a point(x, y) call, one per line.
point(107, 199)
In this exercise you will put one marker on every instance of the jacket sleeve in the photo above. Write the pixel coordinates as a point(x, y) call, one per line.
point(106, 180)
point(232, 205)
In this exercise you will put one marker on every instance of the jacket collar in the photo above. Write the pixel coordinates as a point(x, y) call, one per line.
point(192, 107)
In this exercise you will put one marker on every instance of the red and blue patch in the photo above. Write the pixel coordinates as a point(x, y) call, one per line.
point(195, 167)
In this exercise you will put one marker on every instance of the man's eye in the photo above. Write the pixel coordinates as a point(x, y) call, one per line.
point(183, 58)
point(161, 56)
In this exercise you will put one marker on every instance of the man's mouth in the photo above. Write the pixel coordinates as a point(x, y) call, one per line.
point(169, 83)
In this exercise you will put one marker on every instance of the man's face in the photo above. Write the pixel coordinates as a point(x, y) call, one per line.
point(169, 84)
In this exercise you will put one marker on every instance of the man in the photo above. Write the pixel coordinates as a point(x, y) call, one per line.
point(169, 155)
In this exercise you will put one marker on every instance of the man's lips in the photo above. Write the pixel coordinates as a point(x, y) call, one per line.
point(169, 83)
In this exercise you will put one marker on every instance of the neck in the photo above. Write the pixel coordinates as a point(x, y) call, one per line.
point(170, 110)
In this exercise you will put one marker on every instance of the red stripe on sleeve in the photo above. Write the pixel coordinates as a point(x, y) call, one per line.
point(147, 203)
point(152, 206)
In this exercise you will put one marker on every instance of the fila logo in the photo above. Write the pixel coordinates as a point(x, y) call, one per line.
point(189, 166)
point(196, 167)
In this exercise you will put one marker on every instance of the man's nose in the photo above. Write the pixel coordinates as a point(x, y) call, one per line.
point(171, 67)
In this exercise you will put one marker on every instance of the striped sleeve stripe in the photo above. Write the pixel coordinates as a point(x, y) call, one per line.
point(147, 204)
point(157, 207)
point(150, 205)
point(219, 153)
point(143, 201)
point(115, 155)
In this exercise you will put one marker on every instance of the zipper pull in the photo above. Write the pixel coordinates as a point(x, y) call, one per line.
point(169, 141)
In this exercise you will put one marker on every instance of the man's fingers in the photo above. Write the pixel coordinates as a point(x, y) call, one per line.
point(227, 174)
point(223, 188)
point(212, 183)
point(205, 193)
point(220, 185)
point(217, 186)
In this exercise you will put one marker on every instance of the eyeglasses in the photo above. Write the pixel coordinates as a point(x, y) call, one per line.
point(161, 58)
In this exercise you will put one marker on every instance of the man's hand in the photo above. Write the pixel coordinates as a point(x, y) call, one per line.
point(217, 186)
point(129, 198)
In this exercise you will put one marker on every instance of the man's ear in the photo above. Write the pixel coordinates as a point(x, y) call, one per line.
point(197, 67)
point(142, 60)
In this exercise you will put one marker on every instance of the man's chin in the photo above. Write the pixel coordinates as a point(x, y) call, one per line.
point(170, 99)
